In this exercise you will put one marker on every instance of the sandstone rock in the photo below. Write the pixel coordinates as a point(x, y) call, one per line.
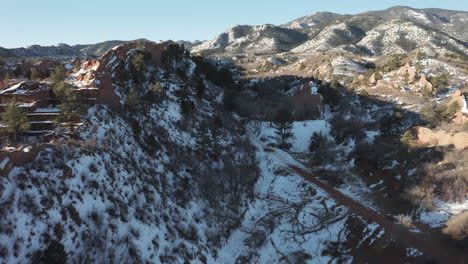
point(410, 71)
point(424, 83)
point(372, 79)
point(361, 77)
point(384, 84)
point(460, 118)
point(427, 136)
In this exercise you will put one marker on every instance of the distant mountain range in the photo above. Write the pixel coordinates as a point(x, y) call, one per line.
point(398, 29)
point(395, 30)
point(67, 51)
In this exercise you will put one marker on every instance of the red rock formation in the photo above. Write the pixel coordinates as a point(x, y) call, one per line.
point(460, 117)
point(17, 158)
point(427, 136)
point(305, 101)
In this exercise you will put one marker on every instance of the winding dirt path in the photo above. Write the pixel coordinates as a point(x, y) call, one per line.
point(431, 248)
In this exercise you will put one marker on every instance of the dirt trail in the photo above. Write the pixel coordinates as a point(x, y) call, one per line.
point(433, 249)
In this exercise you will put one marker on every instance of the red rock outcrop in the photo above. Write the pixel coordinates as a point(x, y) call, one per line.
point(410, 72)
point(17, 158)
point(427, 136)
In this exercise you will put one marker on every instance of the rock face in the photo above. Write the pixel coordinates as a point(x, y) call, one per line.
point(409, 71)
point(10, 159)
point(460, 117)
point(372, 79)
point(426, 136)
point(103, 73)
point(424, 83)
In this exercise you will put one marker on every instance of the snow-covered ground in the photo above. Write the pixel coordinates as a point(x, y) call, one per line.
point(290, 219)
point(302, 132)
point(442, 212)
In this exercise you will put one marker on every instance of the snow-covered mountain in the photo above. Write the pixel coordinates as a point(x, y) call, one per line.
point(405, 29)
point(452, 22)
point(340, 32)
point(59, 51)
point(252, 39)
point(399, 36)
point(310, 20)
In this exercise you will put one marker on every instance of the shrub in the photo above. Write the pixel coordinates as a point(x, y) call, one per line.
point(436, 114)
point(440, 82)
point(321, 148)
point(407, 140)
point(58, 75)
point(421, 196)
point(53, 254)
point(36, 75)
point(330, 95)
point(390, 125)
point(406, 221)
point(343, 129)
point(457, 227)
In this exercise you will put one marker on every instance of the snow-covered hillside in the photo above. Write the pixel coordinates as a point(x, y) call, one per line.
point(250, 39)
point(128, 188)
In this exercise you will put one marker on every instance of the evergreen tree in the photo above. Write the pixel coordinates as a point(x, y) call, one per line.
point(283, 127)
point(58, 75)
point(18, 72)
point(200, 88)
point(6, 80)
point(390, 125)
point(204, 140)
point(157, 89)
point(36, 75)
point(131, 100)
point(53, 254)
point(407, 140)
point(70, 103)
point(138, 61)
point(321, 148)
point(15, 119)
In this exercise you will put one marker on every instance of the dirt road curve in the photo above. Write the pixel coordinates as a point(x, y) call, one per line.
point(398, 232)
point(433, 249)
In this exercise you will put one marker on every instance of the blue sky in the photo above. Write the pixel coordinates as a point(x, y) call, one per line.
point(49, 22)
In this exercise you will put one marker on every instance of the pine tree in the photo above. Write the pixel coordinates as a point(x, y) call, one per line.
point(204, 140)
point(321, 148)
point(138, 61)
point(70, 103)
point(157, 89)
point(131, 100)
point(58, 75)
point(6, 80)
point(283, 127)
point(36, 74)
point(390, 125)
point(200, 88)
point(15, 119)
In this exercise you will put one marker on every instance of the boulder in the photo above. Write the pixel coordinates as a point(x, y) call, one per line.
point(427, 136)
point(410, 71)
point(424, 83)
point(372, 79)
point(460, 118)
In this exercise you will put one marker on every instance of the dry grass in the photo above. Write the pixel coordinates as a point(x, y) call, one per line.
point(406, 221)
point(446, 180)
point(457, 227)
